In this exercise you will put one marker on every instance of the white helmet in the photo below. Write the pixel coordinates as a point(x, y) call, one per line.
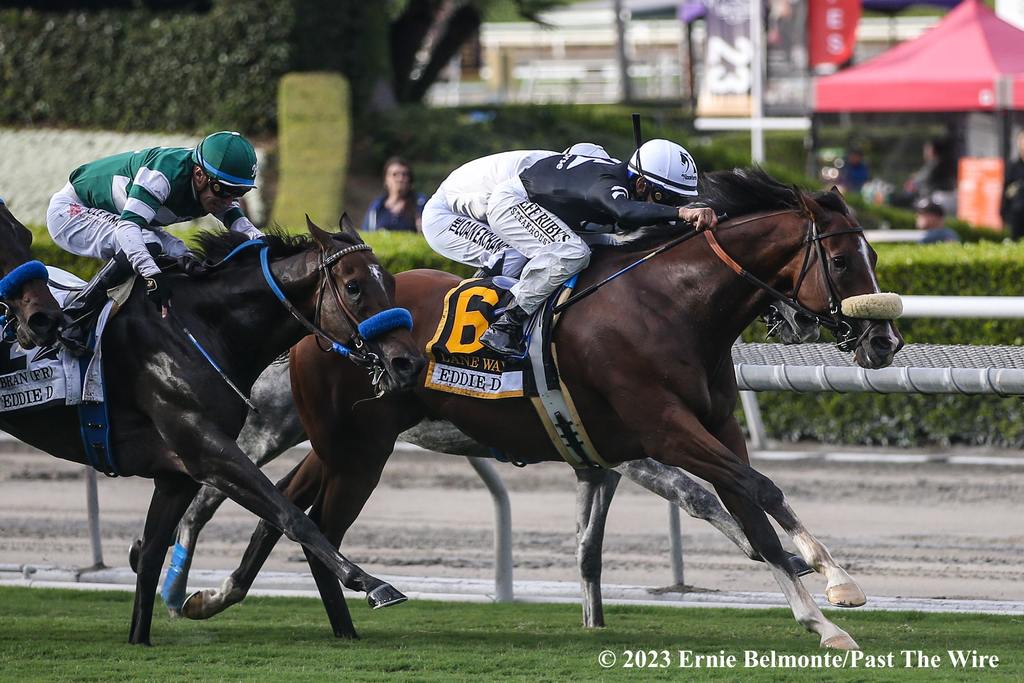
point(667, 166)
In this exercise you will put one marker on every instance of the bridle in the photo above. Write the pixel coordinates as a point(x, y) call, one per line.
point(10, 286)
point(357, 349)
point(835, 321)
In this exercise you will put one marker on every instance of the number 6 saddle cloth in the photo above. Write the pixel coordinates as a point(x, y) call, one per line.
point(460, 364)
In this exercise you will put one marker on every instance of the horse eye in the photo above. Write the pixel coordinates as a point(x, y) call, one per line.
point(839, 262)
point(352, 287)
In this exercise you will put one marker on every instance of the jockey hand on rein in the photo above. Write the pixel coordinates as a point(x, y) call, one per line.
point(158, 289)
point(700, 218)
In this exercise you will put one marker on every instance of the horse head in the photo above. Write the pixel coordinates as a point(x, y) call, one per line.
point(364, 293)
point(23, 290)
point(841, 283)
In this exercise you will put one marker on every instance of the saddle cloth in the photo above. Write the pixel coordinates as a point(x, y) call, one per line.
point(40, 378)
point(460, 364)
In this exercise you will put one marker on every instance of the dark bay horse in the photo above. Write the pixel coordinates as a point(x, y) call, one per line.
point(173, 418)
point(36, 314)
point(648, 362)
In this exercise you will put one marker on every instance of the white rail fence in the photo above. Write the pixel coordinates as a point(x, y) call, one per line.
point(918, 368)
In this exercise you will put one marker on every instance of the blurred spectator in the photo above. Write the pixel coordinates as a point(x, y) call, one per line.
point(932, 218)
point(935, 181)
point(854, 172)
point(400, 206)
point(1012, 206)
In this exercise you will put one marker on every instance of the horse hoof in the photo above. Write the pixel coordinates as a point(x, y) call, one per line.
point(194, 606)
point(385, 595)
point(843, 641)
point(134, 550)
point(845, 595)
point(798, 566)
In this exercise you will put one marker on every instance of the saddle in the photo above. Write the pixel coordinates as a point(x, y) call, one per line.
point(460, 364)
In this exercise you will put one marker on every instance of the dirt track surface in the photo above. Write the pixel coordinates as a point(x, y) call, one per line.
point(923, 530)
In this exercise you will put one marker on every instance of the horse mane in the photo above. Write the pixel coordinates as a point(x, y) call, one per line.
point(735, 193)
point(213, 245)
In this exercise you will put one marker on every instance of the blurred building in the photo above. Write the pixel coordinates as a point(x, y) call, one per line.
point(572, 58)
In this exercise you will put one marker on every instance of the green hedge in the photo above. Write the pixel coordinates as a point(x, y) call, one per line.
point(313, 141)
point(983, 269)
point(144, 70)
point(439, 140)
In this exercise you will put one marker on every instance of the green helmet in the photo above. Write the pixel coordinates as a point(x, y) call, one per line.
point(228, 158)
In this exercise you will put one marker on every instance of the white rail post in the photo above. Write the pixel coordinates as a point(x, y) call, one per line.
point(752, 409)
point(502, 528)
point(675, 540)
point(92, 504)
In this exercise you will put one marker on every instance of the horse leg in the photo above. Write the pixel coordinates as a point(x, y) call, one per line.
point(301, 486)
point(594, 492)
point(265, 435)
point(216, 460)
point(345, 490)
point(679, 438)
point(170, 498)
point(672, 484)
point(841, 590)
point(755, 522)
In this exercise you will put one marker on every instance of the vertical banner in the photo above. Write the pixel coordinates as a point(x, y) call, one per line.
point(832, 29)
point(979, 191)
point(725, 90)
point(787, 89)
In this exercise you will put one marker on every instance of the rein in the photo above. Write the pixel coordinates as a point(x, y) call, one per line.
point(834, 321)
point(362, 331)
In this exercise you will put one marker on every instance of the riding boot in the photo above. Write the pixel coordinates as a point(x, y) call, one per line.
point(505, 336)
point(75, 335)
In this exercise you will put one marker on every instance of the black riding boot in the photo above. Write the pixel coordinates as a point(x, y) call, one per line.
point(75, 335)
point(506, 335)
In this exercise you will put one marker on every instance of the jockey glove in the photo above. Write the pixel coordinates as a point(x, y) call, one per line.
point(158, 289)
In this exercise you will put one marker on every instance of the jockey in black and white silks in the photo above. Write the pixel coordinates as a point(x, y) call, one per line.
point(543, 204)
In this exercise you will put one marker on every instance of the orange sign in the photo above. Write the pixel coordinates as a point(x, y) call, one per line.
point(979, 190)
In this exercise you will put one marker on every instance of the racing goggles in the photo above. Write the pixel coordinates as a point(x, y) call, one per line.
point(225, 191)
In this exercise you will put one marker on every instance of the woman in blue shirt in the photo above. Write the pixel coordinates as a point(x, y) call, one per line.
point(400, 206)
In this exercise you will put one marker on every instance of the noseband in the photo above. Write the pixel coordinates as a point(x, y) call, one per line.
point(11, 286)
point(835, 321)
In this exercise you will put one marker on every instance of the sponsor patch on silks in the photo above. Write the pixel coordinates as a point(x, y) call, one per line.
point(458, 362)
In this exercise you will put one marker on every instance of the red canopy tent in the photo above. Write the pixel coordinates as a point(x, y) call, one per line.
point(971, 61)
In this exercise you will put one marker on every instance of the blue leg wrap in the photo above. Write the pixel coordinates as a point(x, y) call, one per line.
point(173, 591)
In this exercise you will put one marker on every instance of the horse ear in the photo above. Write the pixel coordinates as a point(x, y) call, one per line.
point(349, 228)
point(835, 190)
point(322, 237)
point(810, 208)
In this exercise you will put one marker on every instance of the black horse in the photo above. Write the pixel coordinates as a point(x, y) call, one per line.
point(175, 420)
point(25, 301)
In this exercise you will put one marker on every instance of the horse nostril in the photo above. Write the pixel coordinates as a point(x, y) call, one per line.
point(42, 323)
point(882, 344)
point(407, 367)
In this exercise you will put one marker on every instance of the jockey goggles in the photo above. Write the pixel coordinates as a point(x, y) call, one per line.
point(225, 191)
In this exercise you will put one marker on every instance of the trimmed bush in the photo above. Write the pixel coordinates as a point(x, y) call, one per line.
point(312, 148)
point(177, 71)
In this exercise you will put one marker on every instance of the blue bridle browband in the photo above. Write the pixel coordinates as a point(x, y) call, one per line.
point(12, 283)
